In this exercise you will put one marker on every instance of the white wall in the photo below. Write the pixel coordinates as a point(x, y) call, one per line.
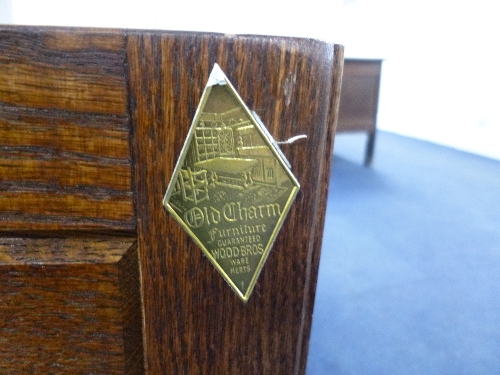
point(5, 11)
point(227, 16)
point(440, 76)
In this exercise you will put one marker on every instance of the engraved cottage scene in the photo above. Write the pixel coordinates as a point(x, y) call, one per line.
point(231, 190)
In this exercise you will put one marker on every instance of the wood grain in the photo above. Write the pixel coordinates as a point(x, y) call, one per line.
point(132, 315)
point(74, 313)
point(194, 322)
point(64, 131)
point(39, 70)
point(316, 229)
point(79, 293)
point(61, 251)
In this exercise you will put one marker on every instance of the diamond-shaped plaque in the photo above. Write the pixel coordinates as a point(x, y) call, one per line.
point(231, 188)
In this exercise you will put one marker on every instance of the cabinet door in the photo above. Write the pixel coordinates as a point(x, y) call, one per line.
point(95, 276)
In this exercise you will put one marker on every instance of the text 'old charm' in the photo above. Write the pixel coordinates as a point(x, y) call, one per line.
point(232, 187)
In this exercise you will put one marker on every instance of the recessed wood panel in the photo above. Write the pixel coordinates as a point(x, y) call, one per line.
point(64, 132)
point(70, 306)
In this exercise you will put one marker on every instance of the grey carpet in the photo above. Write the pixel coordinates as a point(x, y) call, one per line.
point(409, 279)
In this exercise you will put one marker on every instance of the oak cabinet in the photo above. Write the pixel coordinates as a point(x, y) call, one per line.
point(95, 276)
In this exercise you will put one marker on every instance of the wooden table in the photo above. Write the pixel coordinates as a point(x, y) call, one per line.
point(359, 100)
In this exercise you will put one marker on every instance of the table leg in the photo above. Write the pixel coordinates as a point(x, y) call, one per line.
point(370, 145)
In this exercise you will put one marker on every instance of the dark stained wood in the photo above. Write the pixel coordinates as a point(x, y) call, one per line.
point(59, 251)
point(95, 276)
point(64, 131)
point(49, 68)
point(338, 76)
point(69, 306)
point(194, 322)
point(319, 216)
point(129, 278)
point(359, 100)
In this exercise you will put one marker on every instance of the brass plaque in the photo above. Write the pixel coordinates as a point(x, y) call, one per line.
point(232, 187)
